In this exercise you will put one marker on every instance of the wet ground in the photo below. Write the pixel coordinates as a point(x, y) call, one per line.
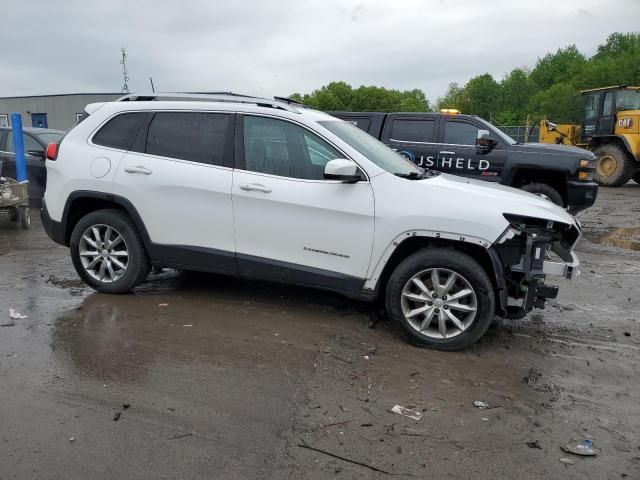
point(198, 376)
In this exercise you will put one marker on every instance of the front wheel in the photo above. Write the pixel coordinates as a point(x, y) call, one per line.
point(546, 190)
point(614, 166)
point(108, 253)
point(442, 298)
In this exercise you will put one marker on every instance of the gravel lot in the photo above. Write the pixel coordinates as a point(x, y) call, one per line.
point(198, 376)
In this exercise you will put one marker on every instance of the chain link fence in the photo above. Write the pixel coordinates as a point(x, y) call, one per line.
point(518, 132)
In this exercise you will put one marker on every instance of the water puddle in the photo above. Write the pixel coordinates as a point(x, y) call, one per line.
point(625, 237)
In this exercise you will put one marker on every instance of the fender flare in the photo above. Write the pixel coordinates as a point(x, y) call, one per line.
point(372, 282)
point(122, 202)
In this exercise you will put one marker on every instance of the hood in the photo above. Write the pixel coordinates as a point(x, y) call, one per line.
point(553, 149)
point(509, 200)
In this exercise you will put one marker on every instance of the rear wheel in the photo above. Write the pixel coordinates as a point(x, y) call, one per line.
point(14, 214)
point(545, 190)
point(442, 298)
point(614, 166)
point(108, 253)
point(25, 217)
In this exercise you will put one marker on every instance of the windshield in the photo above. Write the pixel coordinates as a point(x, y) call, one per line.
point(49, 137)
point(375, 151)
point(628, 100)
point(499, 133)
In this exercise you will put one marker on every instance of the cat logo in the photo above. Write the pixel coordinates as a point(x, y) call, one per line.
point(625, 122)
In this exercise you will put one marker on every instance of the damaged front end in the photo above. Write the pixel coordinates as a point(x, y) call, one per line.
point(529, 250)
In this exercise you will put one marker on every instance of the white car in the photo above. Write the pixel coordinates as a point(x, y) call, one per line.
point(266, 188)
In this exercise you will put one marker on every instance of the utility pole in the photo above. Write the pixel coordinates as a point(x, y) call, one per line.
point(125, 73)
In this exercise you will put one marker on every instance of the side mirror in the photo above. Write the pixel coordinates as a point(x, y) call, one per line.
point(343, 170)
point(484, 141)
point(36, 153)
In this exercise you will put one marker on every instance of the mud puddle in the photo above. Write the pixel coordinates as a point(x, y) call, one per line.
point(624, 237)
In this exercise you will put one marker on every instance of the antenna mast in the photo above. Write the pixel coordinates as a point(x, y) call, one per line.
point(125, 73)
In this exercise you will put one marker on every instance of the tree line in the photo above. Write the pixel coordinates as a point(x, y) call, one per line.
point(551, 88)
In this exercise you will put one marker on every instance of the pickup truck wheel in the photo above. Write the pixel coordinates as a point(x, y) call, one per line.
point(442, 298)
point(108, 253)
point(546, 190)
point(614, 166)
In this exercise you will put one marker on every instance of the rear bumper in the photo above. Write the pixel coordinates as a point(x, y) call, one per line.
point(55, 230)
point(581, 195)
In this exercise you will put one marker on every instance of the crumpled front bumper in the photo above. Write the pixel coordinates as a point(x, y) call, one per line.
point(569, 270)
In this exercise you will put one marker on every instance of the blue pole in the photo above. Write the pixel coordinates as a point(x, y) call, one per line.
point(18, 146)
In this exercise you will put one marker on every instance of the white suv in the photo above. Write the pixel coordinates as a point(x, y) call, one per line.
point(266, 188)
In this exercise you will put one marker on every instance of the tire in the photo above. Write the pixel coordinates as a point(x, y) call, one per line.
point(614, 166)
point(470, 276)
point(14, 214)
point(636, 177)
point(546, 190)
point(90, 267)
point(25, 217)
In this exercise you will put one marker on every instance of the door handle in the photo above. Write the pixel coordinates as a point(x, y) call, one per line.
point(138, 169)
point(255, 186)
point(447, 153)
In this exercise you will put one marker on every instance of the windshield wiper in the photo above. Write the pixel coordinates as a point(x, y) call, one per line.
point(425, 173)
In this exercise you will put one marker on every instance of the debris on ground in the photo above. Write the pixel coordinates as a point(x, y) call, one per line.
point(627, 334)
point(568, 461)
point(16, 316)
point(534, 444)
point(180, 436)
point(532, 377)
point(584, 448)
point(406, 412)
point(345, 459)
point(116, 416)
point(126, 405)
point(163, 304)
point(482, 405)
point(72, 439)
point(8, 324)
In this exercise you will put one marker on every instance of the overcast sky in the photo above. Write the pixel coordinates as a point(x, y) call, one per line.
point(277, 47)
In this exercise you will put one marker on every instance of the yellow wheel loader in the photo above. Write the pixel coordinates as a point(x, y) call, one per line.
point(610, 128)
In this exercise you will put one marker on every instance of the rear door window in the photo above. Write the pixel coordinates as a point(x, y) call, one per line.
point(412, 130)
point(194, 136)
point(120, 131)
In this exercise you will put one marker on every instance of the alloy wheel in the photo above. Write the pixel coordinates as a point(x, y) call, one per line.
point(103, 253)
point(439, 303)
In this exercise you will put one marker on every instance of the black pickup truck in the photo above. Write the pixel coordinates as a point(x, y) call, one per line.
point(470, 146)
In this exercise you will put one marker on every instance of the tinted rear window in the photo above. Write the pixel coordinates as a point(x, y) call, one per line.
point(120, 131)
point(412, 130)
point(198, 137)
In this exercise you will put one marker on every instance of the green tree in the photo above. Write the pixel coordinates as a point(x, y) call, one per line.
point(341, 96)
point(483, 93)
point(557, 67)
point(560, 103)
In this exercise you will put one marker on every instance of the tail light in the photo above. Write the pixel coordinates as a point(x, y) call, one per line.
point(52, 151)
